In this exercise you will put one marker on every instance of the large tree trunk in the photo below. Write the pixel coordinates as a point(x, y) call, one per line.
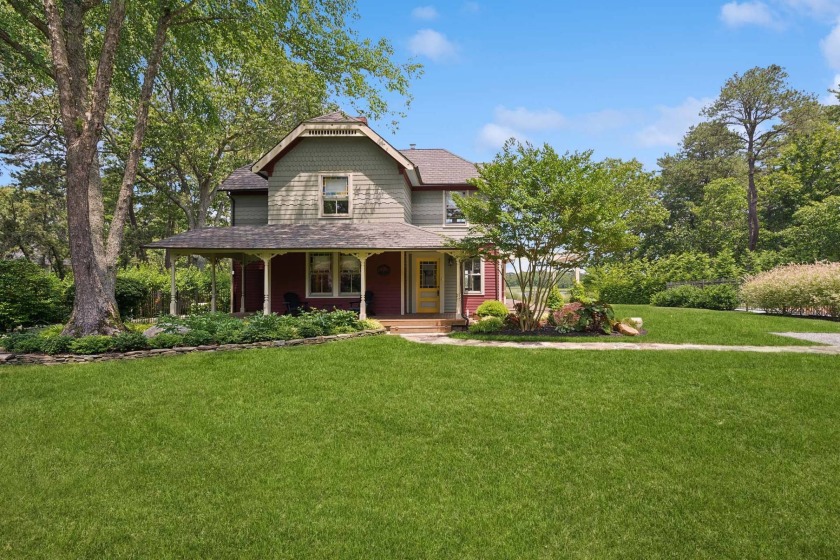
point(752, 207)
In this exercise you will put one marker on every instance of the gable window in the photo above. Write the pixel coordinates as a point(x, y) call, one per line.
point(473, 277)
point(452, 214)
point(350, 271)
point(335, 196)
point(320, 274)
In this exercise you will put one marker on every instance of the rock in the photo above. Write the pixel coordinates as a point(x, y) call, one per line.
point(627, 330)
point(6, 358)
point(153, 331)
point(637, 322)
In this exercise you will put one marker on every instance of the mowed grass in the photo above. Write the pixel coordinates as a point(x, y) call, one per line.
point(384, 448)
point(698, 326)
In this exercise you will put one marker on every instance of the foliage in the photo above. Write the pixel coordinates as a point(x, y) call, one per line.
point(551, 213)
point(269, 327)
point(370, 325)
point(29, 295)
point(167, 340)
point(56, 344)
point(486, 326)
point(129, 341)
point(580, 294)
point(492, 308)
point(130, 295)
point(796, 289)
point(594, 317)
point(554, 300)
point(815, 231)
point(22, 343)
point(197, 337)
point(92, 344)
point(721, 297)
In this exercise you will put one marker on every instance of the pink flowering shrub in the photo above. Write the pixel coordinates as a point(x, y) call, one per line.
point(812, 289)
point(583, 317)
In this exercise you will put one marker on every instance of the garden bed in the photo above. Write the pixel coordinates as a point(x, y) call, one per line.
point(549, 331)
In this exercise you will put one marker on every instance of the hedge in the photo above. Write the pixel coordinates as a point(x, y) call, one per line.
point(796, 289)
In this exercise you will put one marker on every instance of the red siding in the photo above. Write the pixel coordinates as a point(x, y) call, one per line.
point(491, 289)
point(288, 274)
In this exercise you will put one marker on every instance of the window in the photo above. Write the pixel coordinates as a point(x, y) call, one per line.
point(335, 196)
point(473, 276)
point(452, 214)
point(351, 275)
point(320, 274)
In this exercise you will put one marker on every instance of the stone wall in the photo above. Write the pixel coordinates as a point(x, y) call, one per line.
point(47, 360)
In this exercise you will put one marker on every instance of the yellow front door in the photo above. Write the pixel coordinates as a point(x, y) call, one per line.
point(428, 286)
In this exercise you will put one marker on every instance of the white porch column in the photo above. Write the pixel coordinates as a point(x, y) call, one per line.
point(363, 257)
point(213, 284)
point(173, 293)
point(242, 286)
point(266, 259)
point(459, 288)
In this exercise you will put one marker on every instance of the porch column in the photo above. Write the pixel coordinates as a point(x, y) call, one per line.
point(266, 259)
point(173, 293)
point(242, 286)
point(213, 284)
point(363, 257)
point(459, 288)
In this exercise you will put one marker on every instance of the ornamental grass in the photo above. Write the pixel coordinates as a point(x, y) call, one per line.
point(812, 289)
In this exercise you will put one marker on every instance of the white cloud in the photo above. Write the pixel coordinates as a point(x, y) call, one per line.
point(672, 123)
point(432, 44)
point(816, 8)
point(525, 120)
point(427, 13)
point(493, 136)
point(471, 7)
point(831, 47)
point(831, 98)
point(735, 14)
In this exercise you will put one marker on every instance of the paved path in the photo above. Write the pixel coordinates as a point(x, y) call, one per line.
point(444, 340)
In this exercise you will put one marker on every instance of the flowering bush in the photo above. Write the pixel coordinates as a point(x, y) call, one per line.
point(796, 289)
point(584, 317)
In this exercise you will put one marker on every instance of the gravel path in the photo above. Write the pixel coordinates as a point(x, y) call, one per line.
point(831, 339)
point(444, 340)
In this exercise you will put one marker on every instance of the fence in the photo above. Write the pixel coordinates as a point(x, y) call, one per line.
point(157, 303)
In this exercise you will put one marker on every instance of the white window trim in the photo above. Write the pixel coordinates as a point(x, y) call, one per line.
point(321, 178)
point(483, 275)
point(446, 225)
point(336, 278)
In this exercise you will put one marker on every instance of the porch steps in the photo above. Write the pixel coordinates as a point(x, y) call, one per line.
point(416, 325)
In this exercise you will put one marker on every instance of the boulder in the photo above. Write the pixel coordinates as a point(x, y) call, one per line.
point(153, 331)
point(637, 322)
point(627, 330)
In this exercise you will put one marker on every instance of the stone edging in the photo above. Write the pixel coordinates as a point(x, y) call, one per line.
point(48, 360)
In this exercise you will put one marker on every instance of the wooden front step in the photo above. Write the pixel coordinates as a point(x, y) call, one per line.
point(419, 329)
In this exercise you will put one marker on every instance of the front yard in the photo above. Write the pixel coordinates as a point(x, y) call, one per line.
point(382, 448)
point(698, 326)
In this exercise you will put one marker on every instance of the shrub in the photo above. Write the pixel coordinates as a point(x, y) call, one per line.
point(23, 343)
point(230, 334)
point(129, 341)
point(56, 344)
point(492, 308)
point(310, 329)
point(130, 294)
point(579, 294)
point(197, 338)
point(799, 289)
point(344, 330)
point(94, 344)
point(370, 325)
point(555, 299)
point(720, 297)
point(584, 317)
point(487, 326)
point(29, 296)
point(166, 340)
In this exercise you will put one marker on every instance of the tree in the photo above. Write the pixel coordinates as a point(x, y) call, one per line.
point(815, 235)
point(548, 214)
point(720, 219)
point(762, 107)
point(91, 53)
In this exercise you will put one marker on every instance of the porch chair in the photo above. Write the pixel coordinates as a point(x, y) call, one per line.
point(294, 305)
point(354, 305)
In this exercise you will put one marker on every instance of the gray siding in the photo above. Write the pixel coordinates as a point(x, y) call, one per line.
point(250, 210)
point(380, 194)
point(427, 210)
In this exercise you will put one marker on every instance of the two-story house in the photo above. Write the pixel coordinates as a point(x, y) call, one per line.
point(334, 212)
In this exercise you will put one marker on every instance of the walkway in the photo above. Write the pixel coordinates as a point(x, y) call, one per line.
point(832, 350)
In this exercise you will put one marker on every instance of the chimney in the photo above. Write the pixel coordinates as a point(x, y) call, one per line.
point(412, 146)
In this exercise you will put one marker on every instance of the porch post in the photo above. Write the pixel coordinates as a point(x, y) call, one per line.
point(266, 259)
point(173, 298)
point(362, 304)
point(213, 284)
point(242, 286)
point(459, 290)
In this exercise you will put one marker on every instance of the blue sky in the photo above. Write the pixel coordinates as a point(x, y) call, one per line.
point(626, 79)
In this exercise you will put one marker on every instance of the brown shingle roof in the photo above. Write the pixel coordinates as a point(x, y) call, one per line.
point(324, 235)
point(243, 179)
point(441, 167)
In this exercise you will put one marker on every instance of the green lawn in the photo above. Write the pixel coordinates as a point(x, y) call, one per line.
point(383, 448)
point(699, 326)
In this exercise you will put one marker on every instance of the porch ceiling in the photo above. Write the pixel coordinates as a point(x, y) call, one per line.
point(327, 235)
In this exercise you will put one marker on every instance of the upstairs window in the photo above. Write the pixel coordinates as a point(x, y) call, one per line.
point(335, 196)
point(452, 214)
point(473, 278)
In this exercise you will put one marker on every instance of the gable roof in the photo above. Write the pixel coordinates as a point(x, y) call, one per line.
point(336, 117)
point(436, 166)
